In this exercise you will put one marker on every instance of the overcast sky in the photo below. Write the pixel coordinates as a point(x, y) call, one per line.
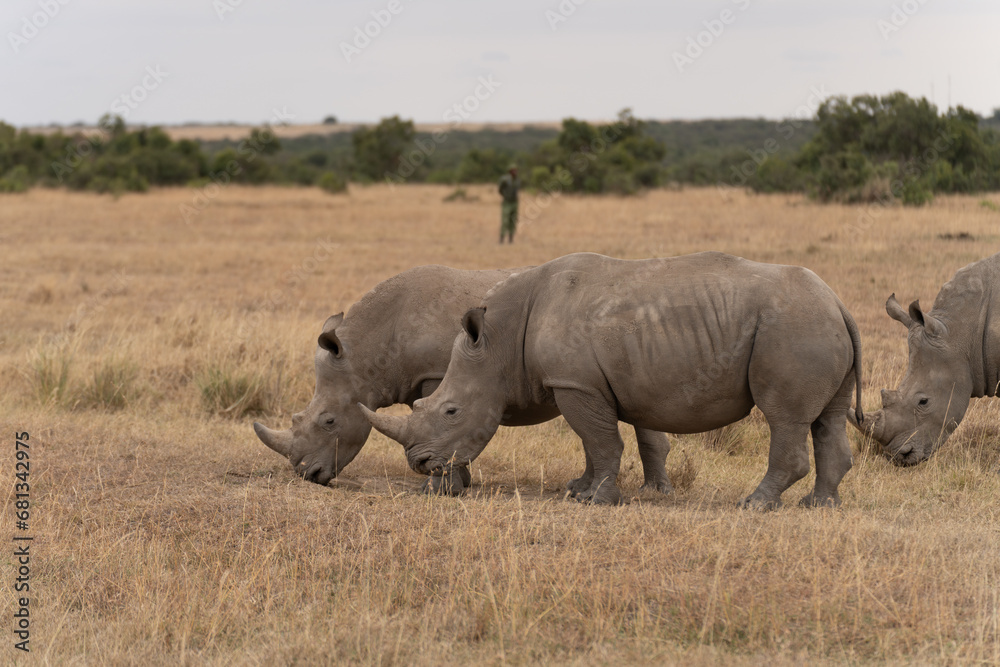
point(240, 60)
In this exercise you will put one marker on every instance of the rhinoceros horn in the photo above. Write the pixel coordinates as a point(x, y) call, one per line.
point(873, 426)
point(394, 426)
point(279, 441)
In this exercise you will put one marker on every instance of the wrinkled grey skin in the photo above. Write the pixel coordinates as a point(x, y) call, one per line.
point(393, 346)
point(954, 355)
point(682, 345)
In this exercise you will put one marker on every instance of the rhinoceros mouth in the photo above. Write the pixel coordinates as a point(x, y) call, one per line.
point(903, 459)
point(428, 463)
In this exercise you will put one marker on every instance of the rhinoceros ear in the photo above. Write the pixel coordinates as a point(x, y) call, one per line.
point(328, 339)
point(474, 322)
point(896, 311)
point(932, 325)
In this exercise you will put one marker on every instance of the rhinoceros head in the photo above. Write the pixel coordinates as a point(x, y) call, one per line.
point(330, 432)
point(929, 404)
point(455, 423)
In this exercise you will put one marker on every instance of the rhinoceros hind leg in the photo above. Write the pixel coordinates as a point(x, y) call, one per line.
point(787, 463)
point(594, 418)
point(653, 449)
point(832, 449)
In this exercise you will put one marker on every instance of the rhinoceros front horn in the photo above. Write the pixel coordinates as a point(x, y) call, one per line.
point(279, 441)
point(873, 426)
point(393, 426)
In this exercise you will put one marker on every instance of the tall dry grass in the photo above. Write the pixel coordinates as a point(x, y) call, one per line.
point(166, 533)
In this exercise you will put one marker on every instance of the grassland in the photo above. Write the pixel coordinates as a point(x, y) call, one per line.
point(165, 533)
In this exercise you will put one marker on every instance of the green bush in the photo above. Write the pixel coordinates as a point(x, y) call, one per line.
point(917, 191)
point(539, 177)
point(332, 182)
point(441, 176)
point(620, 182)
point(776, 175)
point(842, 174)
point(17, 179)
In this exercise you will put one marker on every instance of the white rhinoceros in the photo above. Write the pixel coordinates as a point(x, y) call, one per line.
point(393, 346)
point(682, 345)
point(954, 357)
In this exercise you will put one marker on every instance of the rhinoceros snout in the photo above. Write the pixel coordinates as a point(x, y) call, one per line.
point(316, 473)
point(421, 463)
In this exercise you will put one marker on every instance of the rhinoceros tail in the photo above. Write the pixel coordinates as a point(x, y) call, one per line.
point(852, 328)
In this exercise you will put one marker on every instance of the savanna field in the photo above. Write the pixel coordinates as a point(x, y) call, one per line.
point(137, 349)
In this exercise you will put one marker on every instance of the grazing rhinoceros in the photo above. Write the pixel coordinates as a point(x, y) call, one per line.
point(682, 345)
point(954, 357)
point(393, 346)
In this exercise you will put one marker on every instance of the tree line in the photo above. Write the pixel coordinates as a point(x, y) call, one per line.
point(863, 149)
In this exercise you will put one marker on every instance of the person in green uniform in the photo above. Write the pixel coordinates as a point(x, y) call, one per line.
point(508, 208)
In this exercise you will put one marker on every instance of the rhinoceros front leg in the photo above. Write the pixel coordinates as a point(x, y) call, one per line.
point(787, 463)
point(596, 422)
point(653, 449)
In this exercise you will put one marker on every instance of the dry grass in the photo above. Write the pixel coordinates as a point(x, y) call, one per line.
point(167, 534)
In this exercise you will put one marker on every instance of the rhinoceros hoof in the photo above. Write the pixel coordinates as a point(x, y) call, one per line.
point(578, 486)
point(600, 497)
point(447, 484)
point(760, 504)
point(662, 486)
point(812, 500)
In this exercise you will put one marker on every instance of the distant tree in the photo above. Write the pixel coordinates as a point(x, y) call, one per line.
point(872, 148)
point(379, 150)
point(330, 120)
point(482, 166)
point(617, 157)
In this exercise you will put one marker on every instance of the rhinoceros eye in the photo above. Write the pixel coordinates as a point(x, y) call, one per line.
point(922, 402)
point(451, 412)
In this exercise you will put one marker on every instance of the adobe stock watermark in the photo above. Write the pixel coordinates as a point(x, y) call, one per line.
point(363, 35)
point(121, 106)
point(562, 12)
point(455, 115)
point(714, 29)
point(292, 278)
point(35, 23)
point(223, 7)
point(900, 16)
point(247, 151)
point(785, 130)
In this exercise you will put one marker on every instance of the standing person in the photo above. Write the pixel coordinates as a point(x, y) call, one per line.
point(508, 208)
